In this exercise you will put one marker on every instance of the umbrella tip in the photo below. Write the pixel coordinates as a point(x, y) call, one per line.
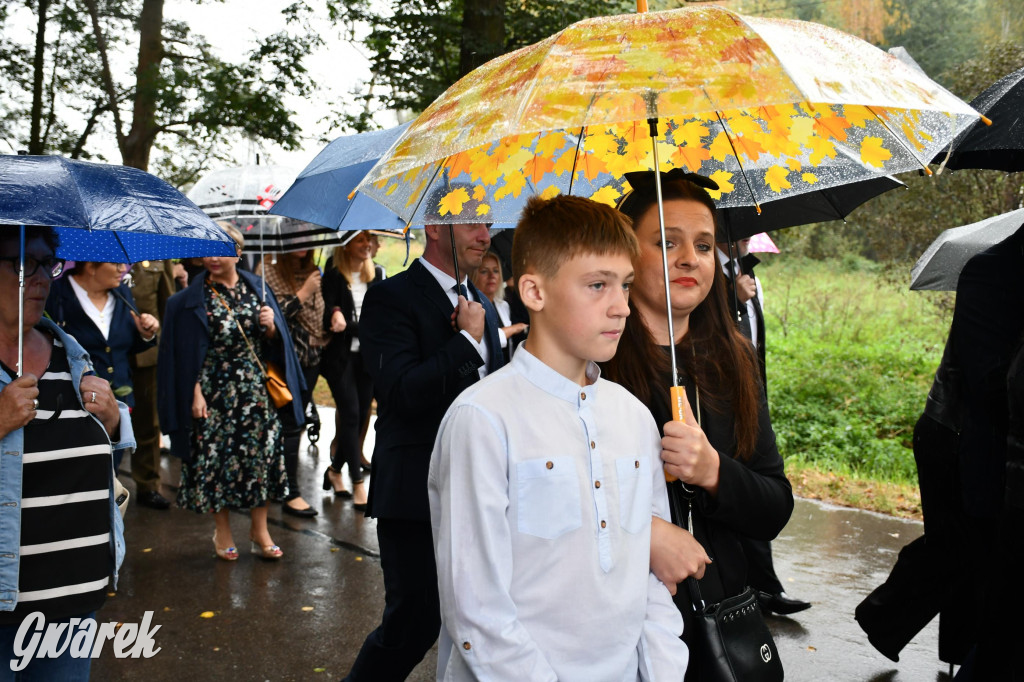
point(928, 171)
point(986, 120)
point(641, 6)
point(351, 195)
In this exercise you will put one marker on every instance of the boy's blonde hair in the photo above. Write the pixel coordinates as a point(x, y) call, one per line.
point(551, 231)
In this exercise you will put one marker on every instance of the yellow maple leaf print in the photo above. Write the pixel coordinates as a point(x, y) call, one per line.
point(721, 148)
point(873, 153)
point(857, 115)
point(549, 144)
point(452, 202)
point(690, 134)
point(801, 130)
point(723, 179)
point(775, 177)
point(606, 195)
point(514, 183)
point(483, 209)
point(809, 178)
point(820, 149)
point(551, 192)
point(458, 164)
point(479, 192)
point(690, 157)
point(537, 167)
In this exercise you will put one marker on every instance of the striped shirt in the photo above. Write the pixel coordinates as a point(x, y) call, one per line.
point(66, 560)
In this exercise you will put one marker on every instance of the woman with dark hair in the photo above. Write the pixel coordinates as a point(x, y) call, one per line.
point(349, 276)
point(214, 403)
point(62, 538)
point(726, 454)
point(91, 303)
point(295, 281)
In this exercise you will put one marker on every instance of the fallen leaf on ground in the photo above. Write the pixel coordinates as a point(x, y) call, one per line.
point(206, 614)
point(307, 608)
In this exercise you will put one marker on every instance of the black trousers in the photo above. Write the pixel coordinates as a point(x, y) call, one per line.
point(412, 611)
point(760, 567)
point(353, 393)
point(293, 433)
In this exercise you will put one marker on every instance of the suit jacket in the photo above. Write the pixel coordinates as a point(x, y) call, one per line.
point(110, 356)
point(419, 364)
point(338, 294)
point(746, 325)
point(183, 345)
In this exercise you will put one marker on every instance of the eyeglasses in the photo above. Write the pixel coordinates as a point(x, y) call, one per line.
point(52, 266)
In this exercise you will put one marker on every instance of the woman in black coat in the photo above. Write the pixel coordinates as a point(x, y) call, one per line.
point(346, 280)
point(725, 451)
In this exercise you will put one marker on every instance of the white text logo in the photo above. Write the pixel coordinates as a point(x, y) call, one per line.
point(81, 638)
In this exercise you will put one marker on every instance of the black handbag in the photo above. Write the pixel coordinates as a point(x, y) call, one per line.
point(736, 644)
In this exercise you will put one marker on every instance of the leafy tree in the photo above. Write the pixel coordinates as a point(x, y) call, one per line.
point(178, 90)
point(417, 48)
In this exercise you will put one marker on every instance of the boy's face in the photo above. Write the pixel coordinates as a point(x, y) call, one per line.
point(690, 234)
point(585, 306)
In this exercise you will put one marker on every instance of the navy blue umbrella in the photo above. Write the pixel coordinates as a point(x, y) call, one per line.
point(320, 193)
point(103, 213)
point(106, 213)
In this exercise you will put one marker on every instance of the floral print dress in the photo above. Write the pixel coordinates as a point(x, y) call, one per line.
point(238, 451)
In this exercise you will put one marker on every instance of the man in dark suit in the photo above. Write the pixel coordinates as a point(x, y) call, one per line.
point(425, 339)
point(739, 273)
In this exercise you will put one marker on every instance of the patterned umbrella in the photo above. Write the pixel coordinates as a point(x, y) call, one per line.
point(765, 107)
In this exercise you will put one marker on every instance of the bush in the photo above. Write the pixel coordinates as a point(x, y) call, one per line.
point(851, 355)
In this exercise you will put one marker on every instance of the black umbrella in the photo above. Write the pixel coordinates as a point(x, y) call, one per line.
point(999, 146)
point(835, 203)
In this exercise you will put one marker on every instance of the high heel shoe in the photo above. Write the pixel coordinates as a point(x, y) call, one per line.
point(226, 553)
point(269, 552)
point(359, 506)
point(330, 486)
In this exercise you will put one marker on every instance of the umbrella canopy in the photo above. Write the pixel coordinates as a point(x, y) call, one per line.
point(765, 107)
point(1001, 145)
point(938, 269)
point(833, 203)
point(244, 191)
point(106, 213)
point(321, 191)
point(762, 243)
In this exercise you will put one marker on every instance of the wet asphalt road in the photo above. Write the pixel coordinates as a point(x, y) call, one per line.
point(304, 618)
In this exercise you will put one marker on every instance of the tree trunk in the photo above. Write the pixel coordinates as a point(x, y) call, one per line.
point(139, 141)
point(35, 141)
point(483, 33)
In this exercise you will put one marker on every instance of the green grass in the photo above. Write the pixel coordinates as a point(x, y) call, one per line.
point(851, 354)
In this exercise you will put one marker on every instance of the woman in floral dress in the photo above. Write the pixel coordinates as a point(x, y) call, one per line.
point(214, 402)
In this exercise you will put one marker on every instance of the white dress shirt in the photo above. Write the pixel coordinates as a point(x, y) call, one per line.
point(541, 518)
point(751, 312)
point(101, 318)
point(358, 289)
point(447, 283)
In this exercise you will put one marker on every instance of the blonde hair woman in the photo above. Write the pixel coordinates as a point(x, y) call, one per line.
point(345, 283)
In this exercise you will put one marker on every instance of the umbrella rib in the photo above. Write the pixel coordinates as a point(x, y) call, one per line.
point(924, 166)
point(127, 258)
point(579, 144)
point(743, 172)
point(426, 189)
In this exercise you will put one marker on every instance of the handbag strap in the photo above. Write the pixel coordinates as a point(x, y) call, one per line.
point(241, 331)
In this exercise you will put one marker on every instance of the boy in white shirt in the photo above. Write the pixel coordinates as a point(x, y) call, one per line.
point(544, 477)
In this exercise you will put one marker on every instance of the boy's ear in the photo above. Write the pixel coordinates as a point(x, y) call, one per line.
point(531, 291)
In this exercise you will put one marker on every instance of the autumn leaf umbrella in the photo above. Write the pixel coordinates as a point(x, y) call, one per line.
point(765, 107)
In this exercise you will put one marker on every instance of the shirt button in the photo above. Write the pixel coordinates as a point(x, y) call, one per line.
point(603, 524)
point(107, 349)
point(467, 646)
point(110, 370)
point(550, 465)
point(583, 396)
point(597, 484)
point(636, 464)
point(593, 445)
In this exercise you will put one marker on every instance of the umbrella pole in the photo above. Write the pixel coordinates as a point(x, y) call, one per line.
point(263, 266)
point(21, 302)
point(734, 274)
point(455, 256)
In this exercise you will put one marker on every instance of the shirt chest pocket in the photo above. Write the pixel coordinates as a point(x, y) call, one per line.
point(548, 497)
point(635, 506)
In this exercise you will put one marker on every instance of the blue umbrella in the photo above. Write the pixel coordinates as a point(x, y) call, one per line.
point(320, 193)
point(104, 213)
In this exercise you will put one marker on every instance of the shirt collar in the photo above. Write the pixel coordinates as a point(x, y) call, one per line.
point(550, 381)
point(446, 281)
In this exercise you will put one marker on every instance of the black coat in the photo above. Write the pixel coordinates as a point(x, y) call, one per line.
point(755, 499)
point(110, 356)
point(419, 364)
point(183, 346)
point(338, 294)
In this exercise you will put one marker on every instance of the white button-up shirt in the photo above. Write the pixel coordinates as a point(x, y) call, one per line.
point(541, 517)
point(447, 283)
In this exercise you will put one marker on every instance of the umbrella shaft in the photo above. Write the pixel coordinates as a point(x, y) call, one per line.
point(664, 252)
point(21, 303)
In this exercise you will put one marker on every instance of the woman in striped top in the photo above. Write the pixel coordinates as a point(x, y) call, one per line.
point(61, 536)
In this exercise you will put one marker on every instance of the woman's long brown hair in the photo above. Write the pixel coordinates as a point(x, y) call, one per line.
point(713, 353)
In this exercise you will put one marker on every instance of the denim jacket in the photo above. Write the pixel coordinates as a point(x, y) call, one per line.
point(11, 447)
